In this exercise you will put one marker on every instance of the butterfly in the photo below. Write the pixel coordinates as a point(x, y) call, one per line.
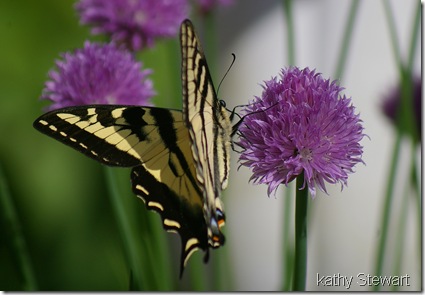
point(179, 158)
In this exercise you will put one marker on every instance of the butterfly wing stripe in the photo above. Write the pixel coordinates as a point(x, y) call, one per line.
point(176, 140)
point(206, 118)
point(223, 147)
point(194, 105)
point(115, 135)
point(178, 215)
point(62, 125)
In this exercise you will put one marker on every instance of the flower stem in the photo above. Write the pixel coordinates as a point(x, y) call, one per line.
point(127, 230)
point(393, 33)
point(348, 32)
point(387, 209)
point(287, 251)
point(401, 235)
point(160, 249)
point(300, 264)
point(19, 245)
point(409, 104)
point(416, 186)
point(198, 278)
point(416, 25)
point(290, 40)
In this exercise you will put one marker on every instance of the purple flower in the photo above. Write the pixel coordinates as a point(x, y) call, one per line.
point(301, 123)
point(208, 5)
point(98, 74)
point(134, 22)
point(391, 104)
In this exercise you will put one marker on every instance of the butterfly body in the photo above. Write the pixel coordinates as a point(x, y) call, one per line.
point(179, 159)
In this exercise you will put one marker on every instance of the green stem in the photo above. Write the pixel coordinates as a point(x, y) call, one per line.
point(300, 265)
point(288, 251)
point(405, 122)
point(287, 5)
point(348, 32)
point(401, 234)
point(407, 87)
point(414, 177)
point(161, 253)
point(127, 230)
point(412, 187)
point(414, 180)
point(393, 33)
point(19, 245)
point(386, 209)
point(287, 245)
point(414, 40)
point(196, 268)
point(224, 277)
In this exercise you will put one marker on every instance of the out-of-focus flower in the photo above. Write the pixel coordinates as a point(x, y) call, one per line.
point(98, 74)
point(301, 123)
point(208, 5)
point(136, 23)
point(391, 104)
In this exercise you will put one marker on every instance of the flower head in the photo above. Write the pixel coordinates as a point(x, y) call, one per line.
point(300, 124)
point(208, 5)
point(134, 22)
point(391, 103)
point(98, 74)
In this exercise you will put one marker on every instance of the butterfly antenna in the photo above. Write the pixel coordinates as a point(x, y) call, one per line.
point(225, 74)
point(235, 127)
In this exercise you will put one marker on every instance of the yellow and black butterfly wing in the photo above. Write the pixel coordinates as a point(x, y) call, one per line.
point(156, 143)
point(180, 159)
point(113, 135)
point(209, 128)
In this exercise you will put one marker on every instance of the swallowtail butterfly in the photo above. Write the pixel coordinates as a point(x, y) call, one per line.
point(179, 159)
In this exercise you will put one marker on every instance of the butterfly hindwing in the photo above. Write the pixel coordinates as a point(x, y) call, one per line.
point(182, 215)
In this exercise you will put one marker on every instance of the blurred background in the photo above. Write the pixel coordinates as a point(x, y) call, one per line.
point(60, 196)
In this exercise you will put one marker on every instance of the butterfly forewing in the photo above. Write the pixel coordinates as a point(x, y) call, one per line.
point(209, 128)
point(114, 135)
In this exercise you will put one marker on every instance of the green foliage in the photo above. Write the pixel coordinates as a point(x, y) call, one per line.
point(60, 197)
